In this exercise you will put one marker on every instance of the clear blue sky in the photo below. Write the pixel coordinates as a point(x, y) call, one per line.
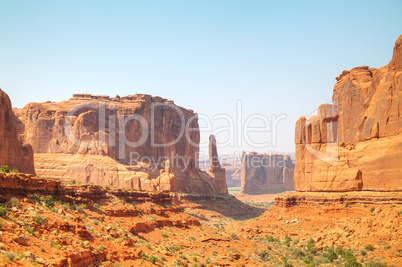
point(277, 57)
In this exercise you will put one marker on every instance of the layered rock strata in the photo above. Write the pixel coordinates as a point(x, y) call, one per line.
point(137, 141)
point(262, 173)
point(356, 142)
point(12, 153)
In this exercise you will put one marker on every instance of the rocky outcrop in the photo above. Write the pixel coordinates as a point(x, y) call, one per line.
point(137, 141)
point(23, 185)
point(262, 173)
point(215, 169)
point(356, 142)
point(12, 153)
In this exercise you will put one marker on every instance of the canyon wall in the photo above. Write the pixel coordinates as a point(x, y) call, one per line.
point(139, 141)
point(262, 173)
point(356, 142)
point(12, 153)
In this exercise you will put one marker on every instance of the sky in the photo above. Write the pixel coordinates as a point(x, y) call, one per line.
point(277, 60)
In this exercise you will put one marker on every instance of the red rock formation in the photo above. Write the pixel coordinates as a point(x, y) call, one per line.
point(121, 141)
point(215, 169)
point(355, 143)
point(12, 152)
point(262, 173)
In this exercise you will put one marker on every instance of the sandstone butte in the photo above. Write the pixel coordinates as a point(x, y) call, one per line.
point(262, 173)
point(356, 142)
point(100, 140)
point(12, 152)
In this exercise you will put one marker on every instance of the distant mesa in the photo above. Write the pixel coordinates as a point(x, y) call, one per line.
point(263, 173)
point(356, 142)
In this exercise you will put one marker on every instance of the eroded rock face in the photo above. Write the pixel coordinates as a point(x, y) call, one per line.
point(355, 143)
point(262, 173)
point(12, 152)
point(137, 141)
point(215, 169)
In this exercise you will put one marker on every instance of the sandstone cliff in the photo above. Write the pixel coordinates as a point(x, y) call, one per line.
point(137, 141)
point(262, 173)
point(356, 142)
point(12, 152)
point(215, 169)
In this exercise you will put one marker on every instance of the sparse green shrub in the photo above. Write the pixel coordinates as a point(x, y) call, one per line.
point(369, 247)
point(350, 259)
point(36, 198)
point(263, 254)
point(287, 241)
point(83, 206)
point(272, 239)
point(164, 235)
point(5, 169)
point(3, 211)
point(376, 264)
point(153, 259)
point(363, 252)
point(346, 204)
point(49, 201)
point(143, 255)
point(10, 255)
point(330, 254)
point(372, 209)
point(234, 236)
point(297, 253)
point(14, 202)
point(31, 231)
point(285, 262)
point(38, 219)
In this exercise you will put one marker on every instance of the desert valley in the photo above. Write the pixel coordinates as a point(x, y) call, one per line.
point(80, 202)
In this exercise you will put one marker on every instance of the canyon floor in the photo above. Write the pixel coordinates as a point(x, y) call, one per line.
point(300, 229)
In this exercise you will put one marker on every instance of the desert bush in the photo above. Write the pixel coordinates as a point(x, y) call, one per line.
point(285, 262)
point(297, 253)
point(350, 259)
point(263, 255)
point(376, 264)
point(5, 169)
point(143, 255)
point(369, 247)
point(31, 231)
point(287, 241)
point(14, 202)
point(272, 239)
point(164, 235)
point(38, 219)
point(330, 254)
point(3, 211)
point(372, 209)
point(10, 255)
point(153, 259)
point(49, 201)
